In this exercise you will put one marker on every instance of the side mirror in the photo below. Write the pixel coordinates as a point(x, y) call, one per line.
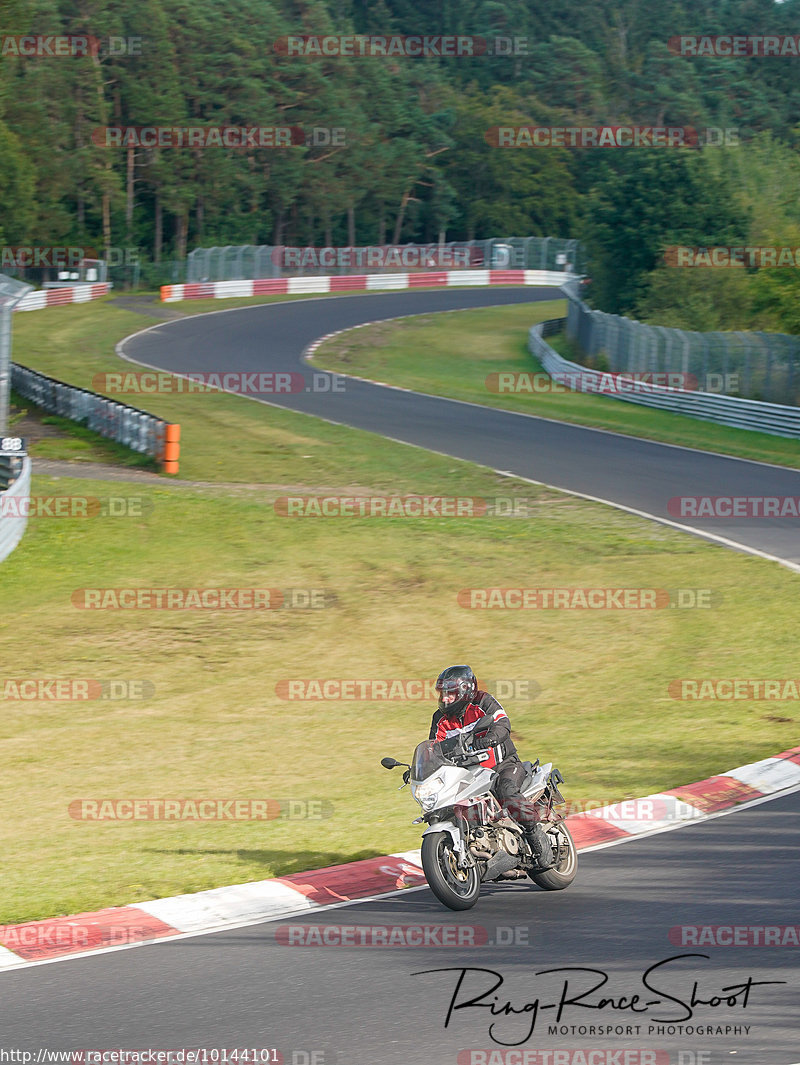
point(390, 763)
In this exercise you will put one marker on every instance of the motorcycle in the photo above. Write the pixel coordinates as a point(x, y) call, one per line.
point(470, 840)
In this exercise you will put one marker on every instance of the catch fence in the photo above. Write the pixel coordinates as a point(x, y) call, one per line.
point(756, 366)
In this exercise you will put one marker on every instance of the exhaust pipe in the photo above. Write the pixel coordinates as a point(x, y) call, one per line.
point(500, 863)
point(482, 853)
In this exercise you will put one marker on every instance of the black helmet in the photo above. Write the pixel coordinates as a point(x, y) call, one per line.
point(458, 680)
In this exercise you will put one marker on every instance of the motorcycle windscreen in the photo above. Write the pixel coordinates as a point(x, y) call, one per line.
point(428, 757)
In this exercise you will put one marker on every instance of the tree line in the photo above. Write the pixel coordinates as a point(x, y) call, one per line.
point(397, 148)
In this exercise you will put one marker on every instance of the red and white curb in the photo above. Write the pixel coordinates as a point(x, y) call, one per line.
point(58, 297)
point(289, 286)
point(298, 893)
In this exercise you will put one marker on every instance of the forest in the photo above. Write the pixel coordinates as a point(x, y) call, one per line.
point(403, 147)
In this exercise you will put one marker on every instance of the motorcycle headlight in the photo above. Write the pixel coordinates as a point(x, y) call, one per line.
point(427, 793)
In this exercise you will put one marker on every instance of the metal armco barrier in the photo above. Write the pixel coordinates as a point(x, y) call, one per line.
point(130, 426)
point(12, 525)
point(773, 418)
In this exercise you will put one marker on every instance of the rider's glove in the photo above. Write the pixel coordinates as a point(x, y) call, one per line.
point(450, 746)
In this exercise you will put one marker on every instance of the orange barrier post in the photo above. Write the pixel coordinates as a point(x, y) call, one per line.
point(172, 448)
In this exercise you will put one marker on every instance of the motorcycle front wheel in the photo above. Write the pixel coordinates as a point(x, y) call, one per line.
point(563, 872)
point(457, 888)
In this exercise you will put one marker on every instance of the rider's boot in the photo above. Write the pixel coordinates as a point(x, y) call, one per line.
point(526, 816)
point(541, 846)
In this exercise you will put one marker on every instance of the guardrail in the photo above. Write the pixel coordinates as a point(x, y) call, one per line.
point(136, 429)
point(14, 517)
point(773, 418)
point(288, 286)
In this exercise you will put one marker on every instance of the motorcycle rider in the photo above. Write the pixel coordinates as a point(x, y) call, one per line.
point(479, 717)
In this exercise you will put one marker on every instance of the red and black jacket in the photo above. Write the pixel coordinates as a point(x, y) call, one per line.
point(486, 722)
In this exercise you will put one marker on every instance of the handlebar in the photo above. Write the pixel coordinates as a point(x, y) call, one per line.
point(459, 754)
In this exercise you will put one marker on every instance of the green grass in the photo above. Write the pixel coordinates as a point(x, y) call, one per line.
point(453, 354)
point(215, 727)
point(76, 342)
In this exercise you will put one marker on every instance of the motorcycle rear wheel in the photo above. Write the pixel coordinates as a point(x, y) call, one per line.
point(457, 888)
point(563, 872)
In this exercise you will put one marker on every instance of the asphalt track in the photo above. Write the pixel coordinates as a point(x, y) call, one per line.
point(363, 1005)
point(637, 474)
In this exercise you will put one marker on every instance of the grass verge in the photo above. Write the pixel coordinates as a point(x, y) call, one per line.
point(213, 723)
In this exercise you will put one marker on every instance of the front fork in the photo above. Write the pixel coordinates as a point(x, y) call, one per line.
point(455, 828)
